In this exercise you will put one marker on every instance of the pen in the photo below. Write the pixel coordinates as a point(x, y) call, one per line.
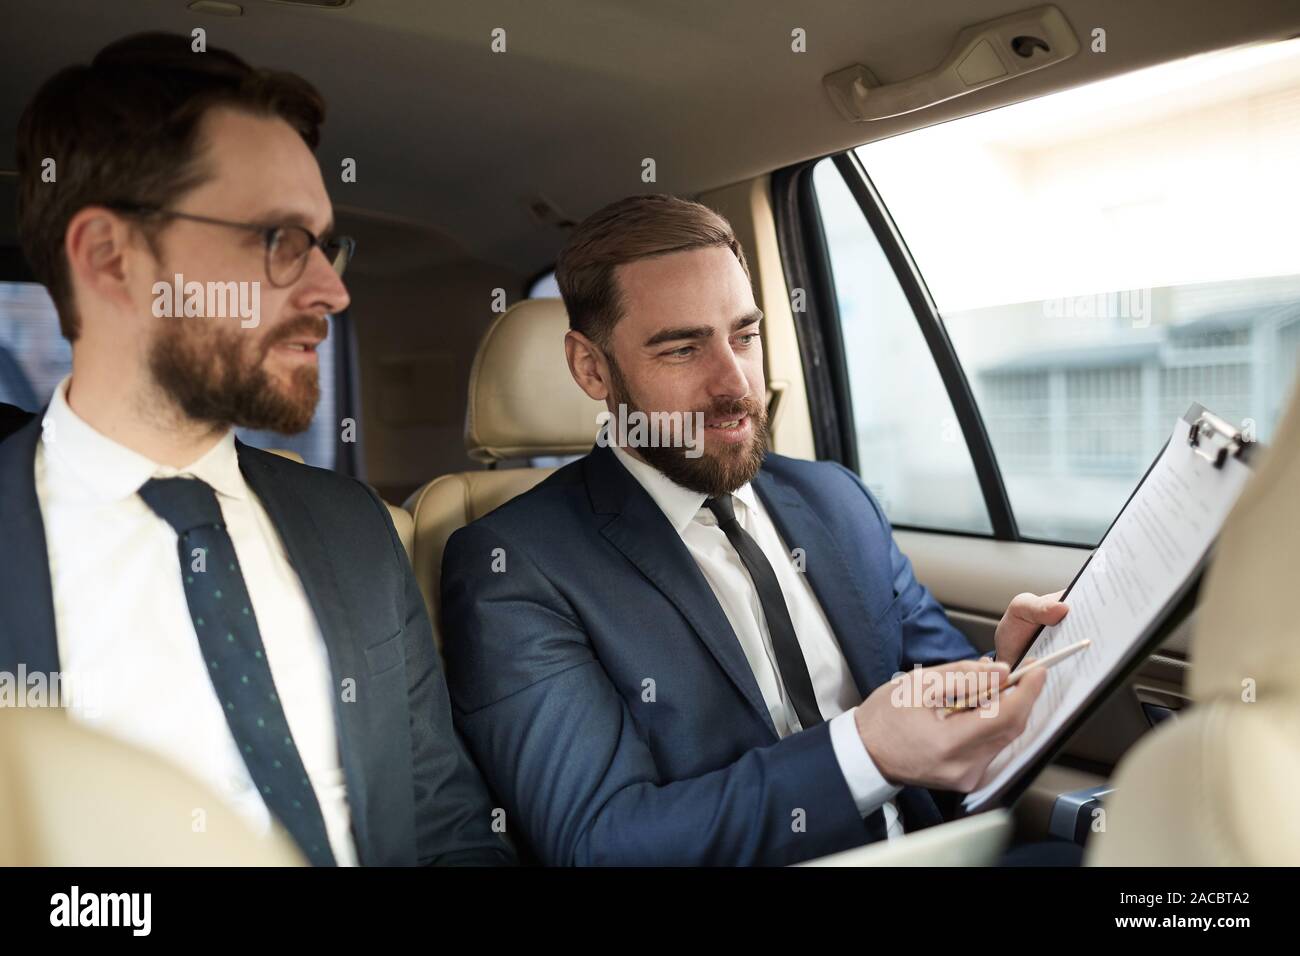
point(1054, 658)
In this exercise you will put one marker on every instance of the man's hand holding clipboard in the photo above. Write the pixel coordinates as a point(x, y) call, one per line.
point(912, 740)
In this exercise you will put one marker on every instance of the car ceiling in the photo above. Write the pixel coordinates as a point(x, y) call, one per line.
point(455, 143)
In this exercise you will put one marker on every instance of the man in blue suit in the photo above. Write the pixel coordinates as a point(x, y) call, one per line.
point(251, 618)
point(679, 649)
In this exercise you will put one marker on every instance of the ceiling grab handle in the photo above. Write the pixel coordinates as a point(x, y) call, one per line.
point(983, 55)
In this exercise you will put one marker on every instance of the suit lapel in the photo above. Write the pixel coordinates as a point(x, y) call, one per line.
point(27, 630)
point(644, 535)
point(850, 601)
point(309, 555)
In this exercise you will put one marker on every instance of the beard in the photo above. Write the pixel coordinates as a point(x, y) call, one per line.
point(712, 473)
point(217, 375)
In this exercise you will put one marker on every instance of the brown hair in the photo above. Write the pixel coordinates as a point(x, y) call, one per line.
point(638, 227)
point(125, 130)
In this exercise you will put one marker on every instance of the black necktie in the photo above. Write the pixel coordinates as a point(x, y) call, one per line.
point(232, 648)
point(789, 656)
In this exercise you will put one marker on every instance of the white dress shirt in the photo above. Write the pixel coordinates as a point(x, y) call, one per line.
point(837, 693)
point(125, 629)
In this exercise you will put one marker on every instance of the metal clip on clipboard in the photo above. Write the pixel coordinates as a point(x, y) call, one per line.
point(1214, 439)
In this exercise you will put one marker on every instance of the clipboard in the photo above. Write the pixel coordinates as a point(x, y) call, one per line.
point(1214, 440)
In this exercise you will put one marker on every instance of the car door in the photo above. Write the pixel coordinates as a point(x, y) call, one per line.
point(1001, 317)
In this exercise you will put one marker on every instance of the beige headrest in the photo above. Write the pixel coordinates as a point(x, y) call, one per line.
point(1216, 787)
point(70, 796)
point(523, 402)
point(1245, 635)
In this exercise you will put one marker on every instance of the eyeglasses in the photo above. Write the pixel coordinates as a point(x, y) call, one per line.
point(287, 247)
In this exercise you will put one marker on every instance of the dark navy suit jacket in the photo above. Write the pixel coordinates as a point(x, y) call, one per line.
point(562, 605)
point(415, 796)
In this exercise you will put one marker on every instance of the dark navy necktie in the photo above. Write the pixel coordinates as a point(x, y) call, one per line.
point(232, 648)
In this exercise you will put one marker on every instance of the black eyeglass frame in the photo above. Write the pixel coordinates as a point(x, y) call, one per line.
point(338, 250)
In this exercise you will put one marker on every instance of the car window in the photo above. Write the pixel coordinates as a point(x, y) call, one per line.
point(34, 358)
point(911, 452)
point(544, 286)
point(1100, 258)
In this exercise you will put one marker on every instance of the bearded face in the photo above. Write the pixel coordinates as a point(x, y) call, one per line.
point(215, 371)
point(723, 466)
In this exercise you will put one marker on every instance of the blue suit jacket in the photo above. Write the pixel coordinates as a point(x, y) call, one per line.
point(549, 654)
point(414, 795)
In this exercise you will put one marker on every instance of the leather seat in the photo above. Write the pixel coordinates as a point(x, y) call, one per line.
point(1217, 786)
point(73, 797)
point(523, 403)
point(404, 524)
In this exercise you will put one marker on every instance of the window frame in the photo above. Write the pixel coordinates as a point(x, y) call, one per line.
point(13, 265)
point(805, 258)
point(349, 457)
point(531, 281)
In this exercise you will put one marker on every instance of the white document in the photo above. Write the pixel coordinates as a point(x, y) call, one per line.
point(1153, 547)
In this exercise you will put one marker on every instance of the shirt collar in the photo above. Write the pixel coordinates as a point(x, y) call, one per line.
point(110, 471)
point(679, 505)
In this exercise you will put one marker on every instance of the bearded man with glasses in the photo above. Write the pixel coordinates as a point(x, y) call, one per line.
point(253, 619)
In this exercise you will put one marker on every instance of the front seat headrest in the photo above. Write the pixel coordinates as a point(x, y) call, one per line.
point(523, 403)
point(1245, 634)
point(1216, 787)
